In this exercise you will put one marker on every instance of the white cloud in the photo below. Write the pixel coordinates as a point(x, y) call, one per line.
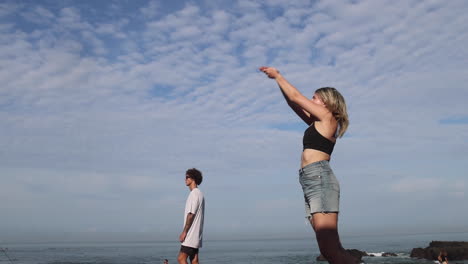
point(128, 115)
point(434, 187)
point(70, 18)
point(418, 185)
point(39, 15)
point(151, 10)
point(8, 8)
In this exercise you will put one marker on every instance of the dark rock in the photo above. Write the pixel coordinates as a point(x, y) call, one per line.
point(418, 253)
point(389, 254)
point(357, 254)
point(456, 250)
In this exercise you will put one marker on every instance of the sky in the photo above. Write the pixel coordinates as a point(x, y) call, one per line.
point(105, 104)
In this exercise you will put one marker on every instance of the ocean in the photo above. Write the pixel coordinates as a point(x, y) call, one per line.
point(268, 251)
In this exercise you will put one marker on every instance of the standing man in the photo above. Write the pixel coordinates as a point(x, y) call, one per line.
point(192, 235)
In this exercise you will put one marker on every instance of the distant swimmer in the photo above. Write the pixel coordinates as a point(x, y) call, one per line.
point(166, 261)
point(327, 118)
point(192, 234)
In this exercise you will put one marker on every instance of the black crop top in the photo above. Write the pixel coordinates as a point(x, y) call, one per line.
point(314, 140)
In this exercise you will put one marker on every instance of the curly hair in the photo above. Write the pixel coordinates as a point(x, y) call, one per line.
point(196, 175)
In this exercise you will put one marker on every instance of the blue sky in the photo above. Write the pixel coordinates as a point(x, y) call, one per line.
point(105, 104)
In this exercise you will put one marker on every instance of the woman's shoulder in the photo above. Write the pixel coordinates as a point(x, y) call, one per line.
point(326, 124)
point(327, 128)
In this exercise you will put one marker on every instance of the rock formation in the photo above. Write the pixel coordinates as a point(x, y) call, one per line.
point(357, 254)
point(456, 250)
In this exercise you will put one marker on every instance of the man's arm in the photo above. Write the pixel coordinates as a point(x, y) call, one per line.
point(188, 224)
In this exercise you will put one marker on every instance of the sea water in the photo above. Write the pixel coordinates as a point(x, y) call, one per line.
point(267, 251)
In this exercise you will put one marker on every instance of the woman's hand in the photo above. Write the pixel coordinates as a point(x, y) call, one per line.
point(270, 72)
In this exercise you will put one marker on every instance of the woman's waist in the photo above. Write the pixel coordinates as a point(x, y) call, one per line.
point(319, 171)
point(316, 168)
point(311, 156)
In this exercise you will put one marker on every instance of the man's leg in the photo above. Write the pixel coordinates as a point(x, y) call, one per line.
point(182, 258)
point(194, 259)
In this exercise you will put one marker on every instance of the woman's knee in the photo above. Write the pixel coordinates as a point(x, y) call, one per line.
point(324, 221)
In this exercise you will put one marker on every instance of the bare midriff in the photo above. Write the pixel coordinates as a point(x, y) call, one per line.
point(311, 155)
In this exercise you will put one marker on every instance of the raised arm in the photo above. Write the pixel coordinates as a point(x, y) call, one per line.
point(306, 117)
point(303, 106)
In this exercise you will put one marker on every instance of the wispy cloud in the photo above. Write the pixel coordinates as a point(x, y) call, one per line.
point(109, 105)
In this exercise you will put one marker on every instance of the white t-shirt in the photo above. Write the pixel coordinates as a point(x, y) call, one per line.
point(196, 205)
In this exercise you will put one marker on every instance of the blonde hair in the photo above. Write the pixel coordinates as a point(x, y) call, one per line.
point(335, 102)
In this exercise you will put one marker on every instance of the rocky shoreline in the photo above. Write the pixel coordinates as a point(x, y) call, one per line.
point(456, 250)
point(357, 254)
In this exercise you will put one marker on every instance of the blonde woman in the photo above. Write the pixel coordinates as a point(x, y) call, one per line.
point(327, 118)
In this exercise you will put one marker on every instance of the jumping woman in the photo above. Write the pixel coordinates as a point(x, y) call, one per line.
point(327, 118)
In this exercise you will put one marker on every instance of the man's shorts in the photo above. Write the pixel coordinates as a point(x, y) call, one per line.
point(191, 252)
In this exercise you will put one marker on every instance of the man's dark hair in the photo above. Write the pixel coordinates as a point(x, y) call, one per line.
point(196, 175)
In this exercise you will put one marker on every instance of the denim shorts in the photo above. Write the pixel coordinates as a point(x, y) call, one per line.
point(321, 188)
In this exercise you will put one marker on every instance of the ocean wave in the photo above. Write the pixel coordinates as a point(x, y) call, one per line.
point(375, 254)
point(379, 254)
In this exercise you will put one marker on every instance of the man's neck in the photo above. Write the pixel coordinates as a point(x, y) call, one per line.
point(192, 186)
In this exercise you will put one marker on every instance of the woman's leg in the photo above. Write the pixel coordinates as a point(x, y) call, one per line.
point(326, 231)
